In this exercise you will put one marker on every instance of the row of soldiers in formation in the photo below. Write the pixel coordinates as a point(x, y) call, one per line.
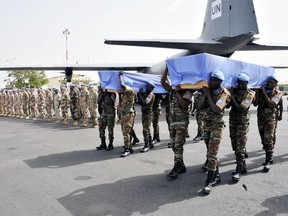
point(209, 104)
point(47, 103)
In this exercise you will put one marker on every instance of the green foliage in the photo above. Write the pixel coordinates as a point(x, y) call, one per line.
point(28, 78)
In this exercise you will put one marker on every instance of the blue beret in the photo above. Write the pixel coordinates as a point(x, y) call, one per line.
point(218, 75)
point(273, 77)
point(243, 77)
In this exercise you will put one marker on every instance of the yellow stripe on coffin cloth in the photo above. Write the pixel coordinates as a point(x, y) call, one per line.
point(197, 85)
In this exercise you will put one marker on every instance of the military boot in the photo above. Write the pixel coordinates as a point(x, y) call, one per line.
point(209, 182)
point(216, 178)
point(145, 148)
point(151, 144)
point(125, 153)
point(268, 161)
point(135, 138)
point(103, 144)
point(178, 168)
point(154, 140)
point(110, 146)
point(205, 167)
point(237, 173)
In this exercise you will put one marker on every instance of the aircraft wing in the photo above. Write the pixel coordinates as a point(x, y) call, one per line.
point(163, 43)
point(78, 67)
point(262, 47)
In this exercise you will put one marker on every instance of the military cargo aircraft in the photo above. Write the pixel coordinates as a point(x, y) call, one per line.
point(229, 26)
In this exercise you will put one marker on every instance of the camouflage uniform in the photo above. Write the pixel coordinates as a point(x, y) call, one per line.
point(107, 118)
point(41, 104)
point(127, 100)
point(179, 120)
point(156, 116)
point(267, 119)
point(239, 124)
point(74, 104)
point(33, 104)
point(1, 103)
point(93, 106)
point(20, 104)
point(214, 125)
point(199, 116)
point(25, 97)
point(147, 113)
point(12, 104)
point(83, 102)
point(49, 104)
point(64, 104)
point(57, 98)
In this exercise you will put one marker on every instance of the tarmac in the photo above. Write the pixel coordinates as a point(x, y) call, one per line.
point(49, 169)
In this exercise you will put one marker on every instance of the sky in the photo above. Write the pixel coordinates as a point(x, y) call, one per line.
point(32, 31)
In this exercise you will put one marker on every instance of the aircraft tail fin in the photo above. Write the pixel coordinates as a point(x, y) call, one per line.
point(229, 18)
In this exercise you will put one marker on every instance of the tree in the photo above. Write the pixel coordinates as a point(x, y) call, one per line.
point(27, 78)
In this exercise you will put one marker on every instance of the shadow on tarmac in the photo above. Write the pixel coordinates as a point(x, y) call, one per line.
point(140, 195)
point(276, 205)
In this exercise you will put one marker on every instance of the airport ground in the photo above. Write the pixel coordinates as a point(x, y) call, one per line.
point(47, 169)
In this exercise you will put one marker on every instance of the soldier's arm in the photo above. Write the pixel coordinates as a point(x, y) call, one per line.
point(183, 100)
point(268, 101)
point(164, 81)
point(280, 108)
point(214, 108)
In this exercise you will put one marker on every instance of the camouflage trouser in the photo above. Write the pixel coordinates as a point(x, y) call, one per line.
point(178, 139)
point(94, 116)
point(238, 127)
point(64, 113)
point(155, 121)
point(106, 120)
point(127, 122)
point(25, 109)
point(146, 123)
point(1, 109)
point(200, 122)
point(49, 112)
point(41, 111)
point(85, 114)
point(267, 133)
point(33, 111)
point(21, 113)
point(74, 112)
point(212, 136)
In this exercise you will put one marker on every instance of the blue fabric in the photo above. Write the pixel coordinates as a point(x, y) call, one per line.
point(110, 80)
point(194, 68)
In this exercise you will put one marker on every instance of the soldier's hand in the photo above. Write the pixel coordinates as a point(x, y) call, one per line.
point(231, 90)
point(206, 90)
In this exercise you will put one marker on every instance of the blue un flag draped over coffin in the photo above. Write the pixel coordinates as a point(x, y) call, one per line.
point(110, 80)
point(195, 68)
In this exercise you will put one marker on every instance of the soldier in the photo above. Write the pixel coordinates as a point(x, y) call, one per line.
point(49, 104)
point(74, 104)
point(25, 97)
point(56, 101)
point(213, 103)
point(146, 99)
point(41, 103)
point(1, 103)
point(64, 104)
point(107, 118)
point(199, 117)
point(268, 99)
point(155, 117)
point(20, 103)
point(12, 103)
point(33, 104)
point(179, 101)
point(241, 99)
point(93, 105)
point(127, 101)
point(83, 102)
